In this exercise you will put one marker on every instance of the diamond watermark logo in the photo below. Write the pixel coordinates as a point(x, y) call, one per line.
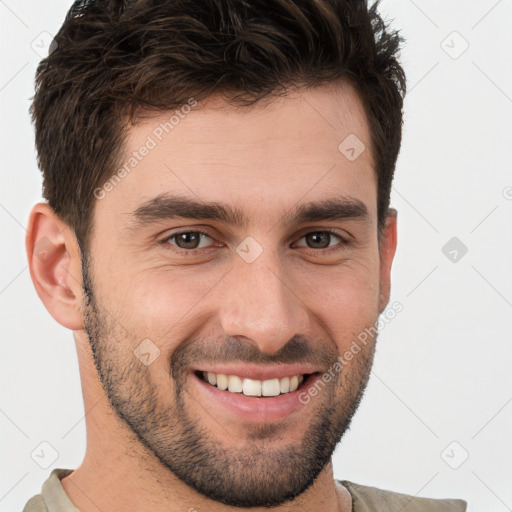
point(44, 249)
point(352, 147)
point(249, 250)
point(455, 455)
point(147, 352)
point(44, 44)
point(454, 249)
point(44, 455)
point(454, 45)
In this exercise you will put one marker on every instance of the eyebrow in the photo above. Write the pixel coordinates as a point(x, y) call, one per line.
point(165, 207)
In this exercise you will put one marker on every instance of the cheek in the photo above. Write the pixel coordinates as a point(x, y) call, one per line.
point(345, 300)
point(165, 301)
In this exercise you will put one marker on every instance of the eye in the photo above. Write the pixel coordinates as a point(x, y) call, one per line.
point(321, 240)
point(189, 240)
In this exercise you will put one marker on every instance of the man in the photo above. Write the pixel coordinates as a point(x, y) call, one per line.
point(217, 234)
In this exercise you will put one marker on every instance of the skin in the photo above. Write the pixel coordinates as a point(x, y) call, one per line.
point(265, 161)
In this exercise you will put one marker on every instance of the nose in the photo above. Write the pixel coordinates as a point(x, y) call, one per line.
point(261, 304)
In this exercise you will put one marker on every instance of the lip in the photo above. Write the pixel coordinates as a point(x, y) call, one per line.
point(255, 372)
point(250, 409)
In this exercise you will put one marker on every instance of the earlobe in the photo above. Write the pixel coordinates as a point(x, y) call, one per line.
point(55, 265)
point(387, 248)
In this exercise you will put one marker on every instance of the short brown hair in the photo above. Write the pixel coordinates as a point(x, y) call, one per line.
point(113, 59)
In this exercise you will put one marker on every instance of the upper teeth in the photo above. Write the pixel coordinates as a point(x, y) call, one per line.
point(252, 387)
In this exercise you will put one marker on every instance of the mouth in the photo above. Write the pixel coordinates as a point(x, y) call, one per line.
point(254, 387)
point(238, 394)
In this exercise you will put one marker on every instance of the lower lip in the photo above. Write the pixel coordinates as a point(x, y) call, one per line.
point(254, 409)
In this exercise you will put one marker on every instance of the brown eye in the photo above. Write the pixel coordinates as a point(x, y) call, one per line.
point(320, 239)
point(189, 240)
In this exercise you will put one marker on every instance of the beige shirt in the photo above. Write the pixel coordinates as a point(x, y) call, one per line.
point(53, 498)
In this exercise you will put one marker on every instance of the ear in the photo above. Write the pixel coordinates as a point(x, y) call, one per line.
point(54, 260)
point(387, 248)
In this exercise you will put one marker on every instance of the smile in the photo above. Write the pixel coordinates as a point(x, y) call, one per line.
point(250, 392)
point(253, 387)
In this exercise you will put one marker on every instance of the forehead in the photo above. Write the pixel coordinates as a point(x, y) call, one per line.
point(265, 158)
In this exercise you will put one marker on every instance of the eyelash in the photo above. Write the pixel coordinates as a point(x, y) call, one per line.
point(191, 252)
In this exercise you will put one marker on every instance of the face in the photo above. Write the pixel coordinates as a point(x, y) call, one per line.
point(242, 249)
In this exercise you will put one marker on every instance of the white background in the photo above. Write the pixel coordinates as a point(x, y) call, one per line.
point(443, 365)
